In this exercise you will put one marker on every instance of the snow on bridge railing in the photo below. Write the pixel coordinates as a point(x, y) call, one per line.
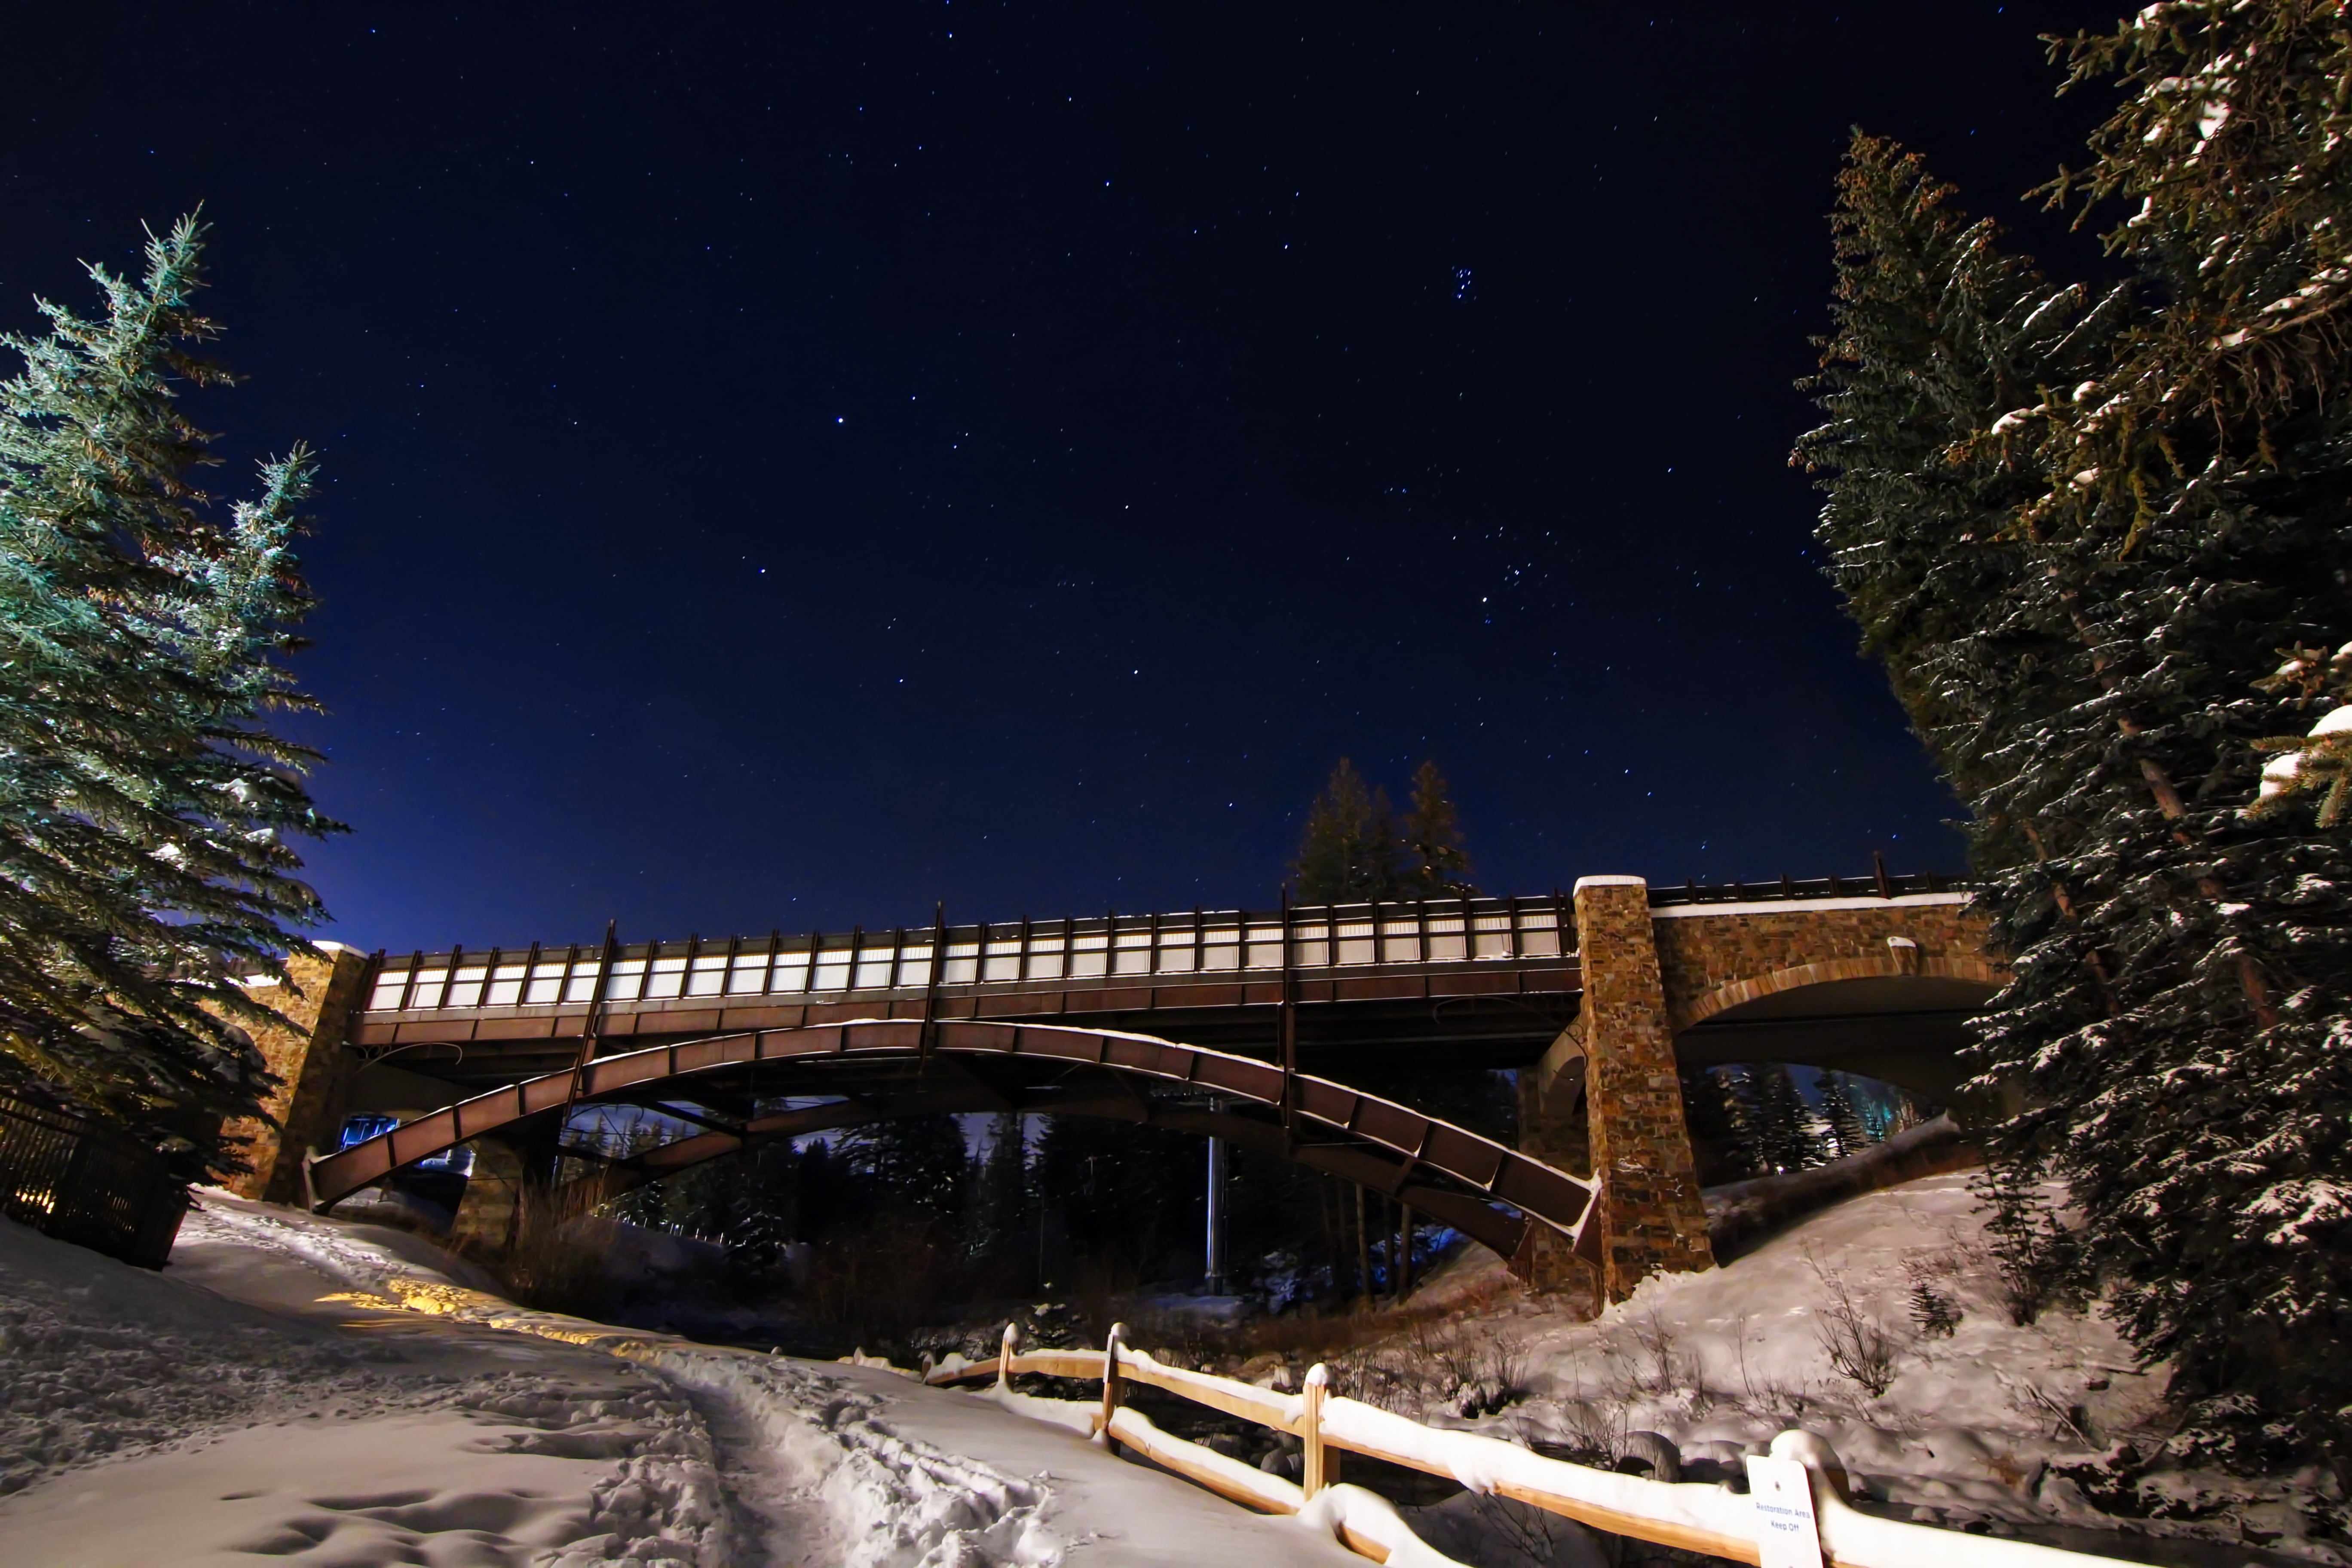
point(1800, 1483)
point(1199, 944)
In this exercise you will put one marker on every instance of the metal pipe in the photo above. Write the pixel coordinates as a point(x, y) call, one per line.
point(1215, 1247)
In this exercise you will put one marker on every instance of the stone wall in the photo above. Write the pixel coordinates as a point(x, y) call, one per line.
point(306, 1053)
point(1709, 960)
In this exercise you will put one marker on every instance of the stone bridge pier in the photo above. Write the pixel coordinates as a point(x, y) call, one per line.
point(1878, 985)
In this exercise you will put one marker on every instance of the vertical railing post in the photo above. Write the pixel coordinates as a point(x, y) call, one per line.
point(1290, 1031)
point(1110, 1381)
point(937, 978)
point(1315, 1466)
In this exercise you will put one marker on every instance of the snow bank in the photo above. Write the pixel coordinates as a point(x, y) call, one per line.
point(149, 1419)
point(890, 1473)
point(1995, 1427)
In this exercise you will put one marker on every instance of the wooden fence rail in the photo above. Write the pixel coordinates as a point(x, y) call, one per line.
point(1695, 1517)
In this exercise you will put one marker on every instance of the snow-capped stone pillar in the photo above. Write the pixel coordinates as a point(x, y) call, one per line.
point(1652, 1217)
point(306, 1054)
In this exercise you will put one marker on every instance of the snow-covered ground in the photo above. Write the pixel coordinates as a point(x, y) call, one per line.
point(1993, 1426)
point(330, 1394)
point(339, 1394)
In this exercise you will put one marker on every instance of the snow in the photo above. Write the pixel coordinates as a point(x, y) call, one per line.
point(1361, 1512)
point(2336, 722)
point(1998, 1427)
point(331, 1393)
point(154, 1419)
point(1787, 905)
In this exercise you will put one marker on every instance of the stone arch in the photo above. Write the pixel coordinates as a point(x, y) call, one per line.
point(1893, 966)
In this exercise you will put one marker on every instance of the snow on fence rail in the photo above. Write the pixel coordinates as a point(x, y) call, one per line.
point(1695, 1517)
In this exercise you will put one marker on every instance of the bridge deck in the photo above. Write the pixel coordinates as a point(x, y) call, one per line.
point(1495, 977)
point(1456, 982)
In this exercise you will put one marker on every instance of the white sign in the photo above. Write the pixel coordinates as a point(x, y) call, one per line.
point(1786, 1533)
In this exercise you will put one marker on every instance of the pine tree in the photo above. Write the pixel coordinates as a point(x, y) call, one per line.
point(1350, 851)
point(144, 807)
point(1847, 1135)
point(1778, 1120)
point(1720, 1136)
point(765, 1204)
point(2163, 519)
point(999, 1208)
point(1433, 837)
point(915, 1166)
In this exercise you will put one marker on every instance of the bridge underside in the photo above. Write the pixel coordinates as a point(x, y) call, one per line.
point(1906, 1030)
point(787, 1083)
point(1335, 1038)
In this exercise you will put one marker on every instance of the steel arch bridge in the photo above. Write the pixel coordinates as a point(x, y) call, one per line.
point(868, 1071)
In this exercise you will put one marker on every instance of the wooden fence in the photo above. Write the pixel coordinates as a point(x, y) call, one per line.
point(68, 1178)
point(1711, 1519)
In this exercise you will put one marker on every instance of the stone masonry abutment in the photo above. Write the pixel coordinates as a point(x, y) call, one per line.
point(1607, 1096)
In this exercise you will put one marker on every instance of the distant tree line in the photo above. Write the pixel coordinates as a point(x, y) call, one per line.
point(928, 1220)
point(1753, 1119)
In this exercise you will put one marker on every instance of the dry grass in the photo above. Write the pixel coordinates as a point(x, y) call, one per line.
point(1861, 1347)
point(553, 1260)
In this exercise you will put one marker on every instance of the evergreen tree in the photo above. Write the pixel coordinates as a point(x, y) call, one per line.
point(1433, 837)
point(144, 807)
point(1778, 1120)
point(999, 1210)
point(1720, 1136)
point(1350, 852)
point(764, 1204)
point(2092, 644)
point(1847, 1135)
point(915, 1166)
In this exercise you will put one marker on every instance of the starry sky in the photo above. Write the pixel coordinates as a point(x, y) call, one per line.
point(783, 466)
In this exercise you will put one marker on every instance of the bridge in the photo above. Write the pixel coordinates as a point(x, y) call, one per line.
point(1242, 1024)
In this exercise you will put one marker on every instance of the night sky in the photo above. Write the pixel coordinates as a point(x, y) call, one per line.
point(785, 465)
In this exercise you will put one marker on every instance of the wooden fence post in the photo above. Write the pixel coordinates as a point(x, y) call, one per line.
point(1312, 1478)
point(1005, 1348)
point(1110, 1384)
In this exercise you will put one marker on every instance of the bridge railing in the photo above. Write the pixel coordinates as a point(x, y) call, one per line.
point(1876, 883)
point(1203, 944)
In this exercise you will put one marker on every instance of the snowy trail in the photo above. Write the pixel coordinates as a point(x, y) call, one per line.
point(330, 1394)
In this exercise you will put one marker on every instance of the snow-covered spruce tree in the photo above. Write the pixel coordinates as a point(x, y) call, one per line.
point(1778, 1120)
point(2177, 1030)
point(1847, 1135)
point(1720, 1139)
point(144, 806)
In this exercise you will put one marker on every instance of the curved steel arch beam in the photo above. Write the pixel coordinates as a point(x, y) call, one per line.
point(1420, 1142)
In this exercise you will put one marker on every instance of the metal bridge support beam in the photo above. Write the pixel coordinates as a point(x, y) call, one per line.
point(1652, 1217)
point(487, 1214)
point(306, 1055)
